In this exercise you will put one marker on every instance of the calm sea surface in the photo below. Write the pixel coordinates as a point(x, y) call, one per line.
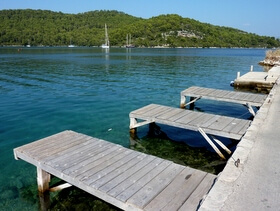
point(44, 91)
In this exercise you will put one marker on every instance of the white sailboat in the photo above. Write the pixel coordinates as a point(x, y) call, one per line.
point(106, 44)
point(71, 45)
point(128, 42)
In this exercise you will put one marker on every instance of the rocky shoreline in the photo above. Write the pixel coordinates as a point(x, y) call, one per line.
point(270, 62)
point(272, 58)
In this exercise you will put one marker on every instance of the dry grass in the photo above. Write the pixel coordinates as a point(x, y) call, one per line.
point(273, 55)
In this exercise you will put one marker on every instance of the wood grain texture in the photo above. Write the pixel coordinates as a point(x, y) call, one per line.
point(125, 178)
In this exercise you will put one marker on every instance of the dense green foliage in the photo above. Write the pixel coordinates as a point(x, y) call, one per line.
point(47, 28)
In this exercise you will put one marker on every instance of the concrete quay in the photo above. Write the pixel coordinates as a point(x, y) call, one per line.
point(258, 81)
point(251, 178)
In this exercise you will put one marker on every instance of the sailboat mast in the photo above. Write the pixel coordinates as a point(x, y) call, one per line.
point(106, 35)
point(126, 39)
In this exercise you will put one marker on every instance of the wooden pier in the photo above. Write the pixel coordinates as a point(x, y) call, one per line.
point(223, 95)
point(125, 178)
point(248, 99)
point(223, 126)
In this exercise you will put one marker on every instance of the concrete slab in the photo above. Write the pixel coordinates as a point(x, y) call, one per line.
point(260, 81)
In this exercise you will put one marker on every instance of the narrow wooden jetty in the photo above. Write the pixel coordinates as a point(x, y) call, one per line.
point(253, 99)
point(128, 179)
point(248, 99)
point(223, 126)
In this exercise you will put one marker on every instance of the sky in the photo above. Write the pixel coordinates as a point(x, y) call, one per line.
point(255, 16)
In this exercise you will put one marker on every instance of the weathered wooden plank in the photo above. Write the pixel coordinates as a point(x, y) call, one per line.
point(260, 98)
point(145, 109)
point(155, 186)
point(166, 196)
point(83, 163)
point(105, 168)
point(203, 118)
point(188, 118)
point(156, 110)
point(191, 120)
point(223, 94)
point(211, 120)
point(137, 185)
point(227, 96)
point(52, 146)
point(70, 152)
point(169, 114)
point(221, 123)
point(80, 154)
point(124, 176)
point(49, 141)
point(54, 150)
point(185, 191)
point(120, 169)
point(214, 93)
point(193, 201)
point(254, 98)
point(100, 163)
point(236, 125)
point(151, 170)
point(111, 172)
point(242, 127)
point(179, 115)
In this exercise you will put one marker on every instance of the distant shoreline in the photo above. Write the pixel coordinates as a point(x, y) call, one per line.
point(65, 46)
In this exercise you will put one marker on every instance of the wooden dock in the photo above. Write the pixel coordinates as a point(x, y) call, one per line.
point(244, 98)
point(125, 178)
point(223, 126)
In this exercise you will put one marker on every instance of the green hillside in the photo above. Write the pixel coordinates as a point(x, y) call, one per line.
point(47, 28)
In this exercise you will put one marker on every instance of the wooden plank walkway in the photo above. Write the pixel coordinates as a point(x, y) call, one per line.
point(223, 95)
point(128, 179)
point(212, 124)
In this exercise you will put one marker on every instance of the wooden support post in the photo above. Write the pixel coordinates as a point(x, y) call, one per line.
point(132, 124)
point(43, 179)
point(211, 143)
point(250, 108)
point(183, 101)
point(238, 75)
point(221, 144)
point(60, 187)
point(45, 201)
point(252, 68)
point(192, 100)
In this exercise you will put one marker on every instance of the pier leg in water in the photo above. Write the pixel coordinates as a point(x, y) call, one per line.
point(45, 201)
point(192, 104)
point(153, 129)
point(43, 180)
point(132, 128)
point(183, 101)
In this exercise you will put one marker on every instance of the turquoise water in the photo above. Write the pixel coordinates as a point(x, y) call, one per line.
point(47, 90)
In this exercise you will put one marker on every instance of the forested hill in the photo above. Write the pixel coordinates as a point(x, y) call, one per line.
point(47, 28)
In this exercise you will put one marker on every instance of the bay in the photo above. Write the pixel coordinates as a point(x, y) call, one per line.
point(44, 91)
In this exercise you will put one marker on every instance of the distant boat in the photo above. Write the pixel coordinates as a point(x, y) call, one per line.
point(28, 45)
point(128, 42)
point(106, 44)
point(71, 45)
